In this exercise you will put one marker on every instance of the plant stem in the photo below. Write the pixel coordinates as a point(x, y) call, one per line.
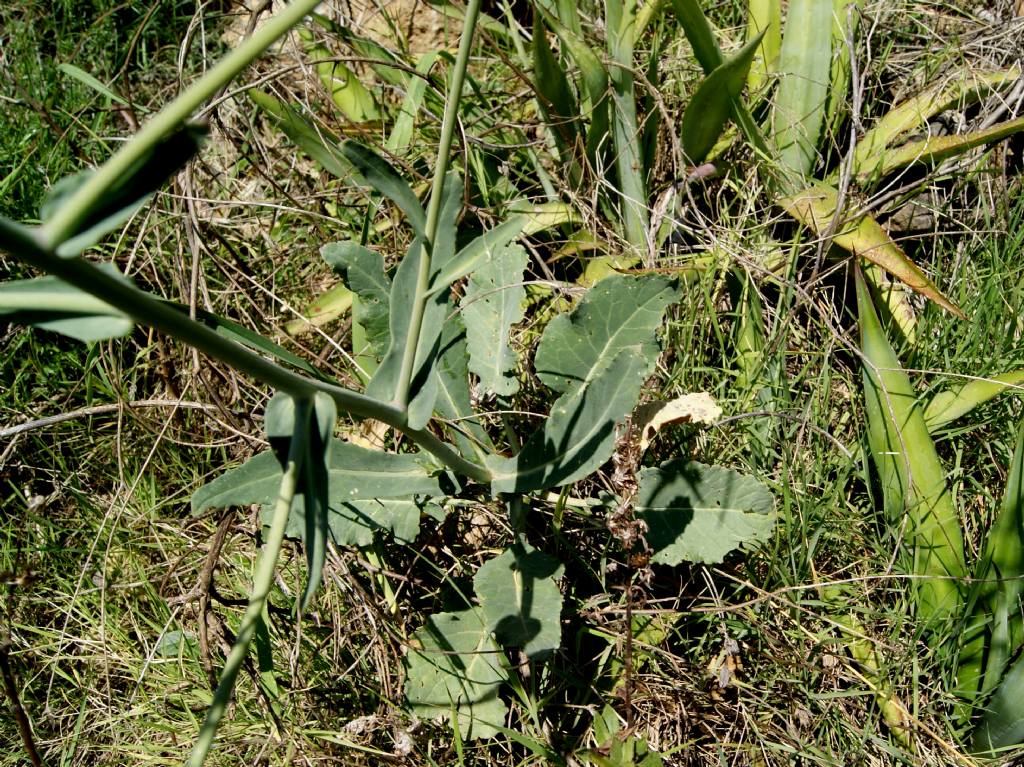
point(76, 209)
point(451, 114)
point(149, 310)
point(263, 580)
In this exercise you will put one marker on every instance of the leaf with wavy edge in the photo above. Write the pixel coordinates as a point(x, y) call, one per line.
point(519, 596)
point(579, 435)
point(492, 305)
point(457, 669)
point(699, 513)
point(618, 312)
point(362, 270)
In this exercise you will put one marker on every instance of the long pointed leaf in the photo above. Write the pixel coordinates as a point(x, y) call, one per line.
point(946, 406)
point(382, 176)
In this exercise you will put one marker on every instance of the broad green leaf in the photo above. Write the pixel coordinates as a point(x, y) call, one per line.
point(362, 270)
point(764, 17)
point(946, 406)
point(804, 63)
point(344, 88)
point(492, 305)
point(579, 435)
point(457, 670)
point(1002, 723)
point(479, 249)
point(354, 523)
point(711, 105)
point(323, 310)
point(453, 396)
point(935, 149)
point(354, 473)
point(912, 477)
point(994, 629)
point(617, 313)
point(401, 136)
point(85, 78)
point(958, 91)
point(520, 600)
point(52, 304)
point(118, 203)
point(815, 208)
point(381, 175)
point(698, 513)
point(318, 143)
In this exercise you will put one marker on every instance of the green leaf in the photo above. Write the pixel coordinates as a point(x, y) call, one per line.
point(119, 202)
point(764, 17)
point(712, 103)
point(492, 305)
point(946, 406)
point(1002, 724)
point(804, 65)
point(579, 435)
point(85, 78)
point(700, 34)
point(916, 497)
point(994, 629)
point(322, 310)
point(935, 149)
point(344, 88)
point(314, 486)
point(381, 175)
point(617, 313)
point(52, 304)
point(241, 334)
point(457, 670)
point(383, 62)
point(453, 396)
point(354, 522)
point(354, 473)
point(318, 143)
point(362, 270)
point(479, 249)
point(699, 513)
point(520, 600)
point(401, 135)
point(557, 103)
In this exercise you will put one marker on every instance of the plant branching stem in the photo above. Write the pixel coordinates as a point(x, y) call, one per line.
point(451, 115)
point(146, 309)
point(76, 209)
point(263, 581)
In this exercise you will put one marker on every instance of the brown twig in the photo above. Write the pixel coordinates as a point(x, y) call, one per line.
point(24, 726)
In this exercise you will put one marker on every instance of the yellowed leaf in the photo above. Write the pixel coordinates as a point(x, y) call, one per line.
point(698, 407)
point(815, 208)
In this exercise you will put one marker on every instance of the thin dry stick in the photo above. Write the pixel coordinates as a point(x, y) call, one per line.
point(24, 726)
point(71, 415)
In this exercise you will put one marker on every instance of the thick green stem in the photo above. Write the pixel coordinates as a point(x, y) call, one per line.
point(451, 115)
point(263, 580)
point(74, 211)
point(149, 310)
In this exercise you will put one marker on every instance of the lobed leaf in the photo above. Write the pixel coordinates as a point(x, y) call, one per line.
point(619, 312)
point(362, 270)
point(492, 305)
point(456, 671)
point(579, 435)
point(453, 396)
point(520, 600)
point(699, 513)
point(816, 206)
